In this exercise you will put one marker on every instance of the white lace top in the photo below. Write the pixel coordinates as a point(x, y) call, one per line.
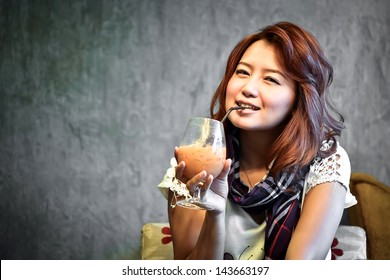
point(245, 238)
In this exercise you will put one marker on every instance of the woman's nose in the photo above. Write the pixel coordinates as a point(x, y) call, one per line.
point(251, 89)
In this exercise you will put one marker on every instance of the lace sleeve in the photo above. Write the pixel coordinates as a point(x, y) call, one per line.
point(170, 182)
point(335, 168)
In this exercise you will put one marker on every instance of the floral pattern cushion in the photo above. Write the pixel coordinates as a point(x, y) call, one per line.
point(349, 243)
point(156, 242)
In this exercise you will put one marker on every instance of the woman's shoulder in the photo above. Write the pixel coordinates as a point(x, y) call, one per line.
point(333, 168)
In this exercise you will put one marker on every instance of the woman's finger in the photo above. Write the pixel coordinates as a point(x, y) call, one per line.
point(226, 168)
point(179, 171)
point(207, 183)
point(197, 180)
point(176, 153)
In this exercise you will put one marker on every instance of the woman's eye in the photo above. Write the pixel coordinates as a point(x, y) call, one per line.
point(242, 72)
point(272, 80)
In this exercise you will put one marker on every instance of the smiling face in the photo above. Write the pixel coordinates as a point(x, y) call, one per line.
point(259, 82)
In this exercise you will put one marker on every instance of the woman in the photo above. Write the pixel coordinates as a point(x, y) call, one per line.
point(285, 184)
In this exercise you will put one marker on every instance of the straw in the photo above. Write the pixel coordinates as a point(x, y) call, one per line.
point(235, 108)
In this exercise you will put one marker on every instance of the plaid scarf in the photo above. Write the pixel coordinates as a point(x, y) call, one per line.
point(282, 208)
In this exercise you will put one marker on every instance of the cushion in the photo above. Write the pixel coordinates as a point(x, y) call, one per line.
point(349, 243)
point(156, 243)
point(372, 213)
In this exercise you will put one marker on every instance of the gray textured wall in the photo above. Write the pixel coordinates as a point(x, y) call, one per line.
point(95, 94)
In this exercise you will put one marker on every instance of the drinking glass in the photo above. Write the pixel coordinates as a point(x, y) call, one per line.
point(202, 148)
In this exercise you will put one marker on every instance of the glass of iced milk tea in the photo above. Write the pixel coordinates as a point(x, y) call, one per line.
point(203, 147)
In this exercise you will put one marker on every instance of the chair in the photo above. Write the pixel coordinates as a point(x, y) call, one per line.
point(372, 213)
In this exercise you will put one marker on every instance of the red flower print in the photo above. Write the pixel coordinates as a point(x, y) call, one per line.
point(166, 239)
point(335, 251)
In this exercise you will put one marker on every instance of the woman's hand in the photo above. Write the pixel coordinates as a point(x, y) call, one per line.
point(214, 191)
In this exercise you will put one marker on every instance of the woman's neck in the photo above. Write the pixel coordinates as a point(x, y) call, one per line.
point(255, 147)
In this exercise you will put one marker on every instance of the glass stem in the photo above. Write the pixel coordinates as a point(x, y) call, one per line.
point(196, 195)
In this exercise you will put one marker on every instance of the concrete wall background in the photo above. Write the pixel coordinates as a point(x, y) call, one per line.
point(94, 96)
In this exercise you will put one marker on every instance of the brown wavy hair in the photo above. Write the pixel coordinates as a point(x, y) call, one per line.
point(314, 117)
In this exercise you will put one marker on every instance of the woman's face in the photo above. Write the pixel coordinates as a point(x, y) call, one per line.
point(259, 81)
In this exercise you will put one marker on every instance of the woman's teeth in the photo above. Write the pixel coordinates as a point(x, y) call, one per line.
point(247, 106)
